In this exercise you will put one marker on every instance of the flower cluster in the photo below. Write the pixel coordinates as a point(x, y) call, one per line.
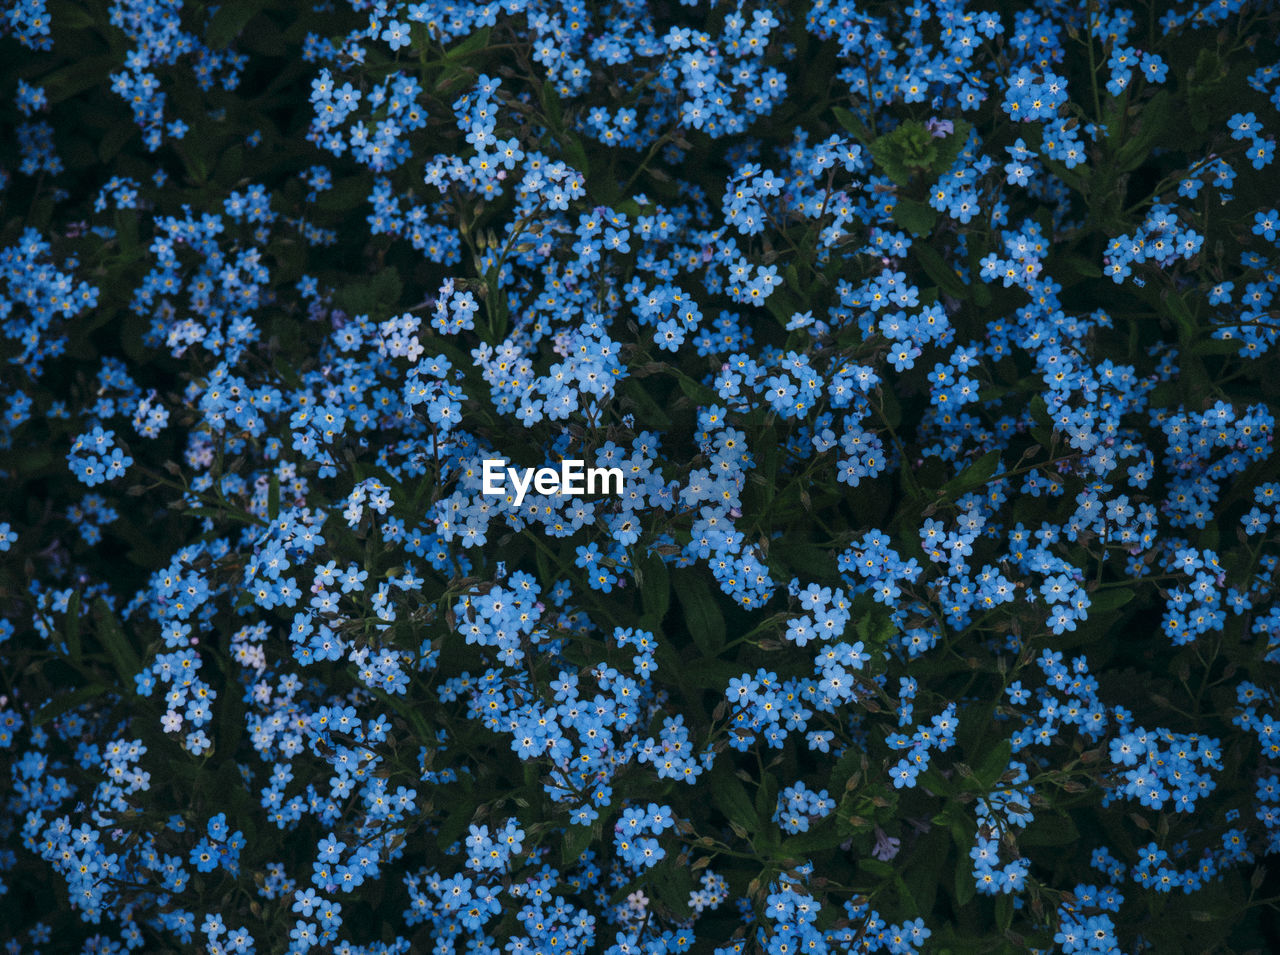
point(930, 598)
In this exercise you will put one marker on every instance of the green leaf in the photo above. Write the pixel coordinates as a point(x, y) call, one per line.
point(730, 797)
point(114, 139)
point(67, 702)
point(1204, 88)
point(381, 292)
point(79, 76)
point(890, 407)
point(905, 149)
point(655, 590)
point(851, 808)
point(127, 233)
point(1216, 346)
point(874, 867)
point(266, 38)
point(975, 475)
point(1113, 598)
point(707, 673)
point(994, 763)
point(875, 627)
point(1049, 830)
point(347, 193)
point(34, 459)
point(72, 633)
point(916, 217)
point(949, 149)
point(574, 152)
point(912, 148)
point(782, 304)
point(1004, 912)
point(965, 887)
point(576, 840)
point(273, 496)
point(387, 286)
point(650, 411)
point(673, 887)
point(1040, 412)
point(1082, 266)
point(230, 165)
point(70, 16)
point(933, 781)
point(887, 159)
point(696, 390)
point(931, 855)
point(477, 41)
point(802, 845)
point(226, 24)
point(116, 642)
point(767, 802)
point(852, 124)
point(455, 823)
point(551, 106)
point(805, 557)
point(1153, 119)
point(702, 616)
point(937, 269)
